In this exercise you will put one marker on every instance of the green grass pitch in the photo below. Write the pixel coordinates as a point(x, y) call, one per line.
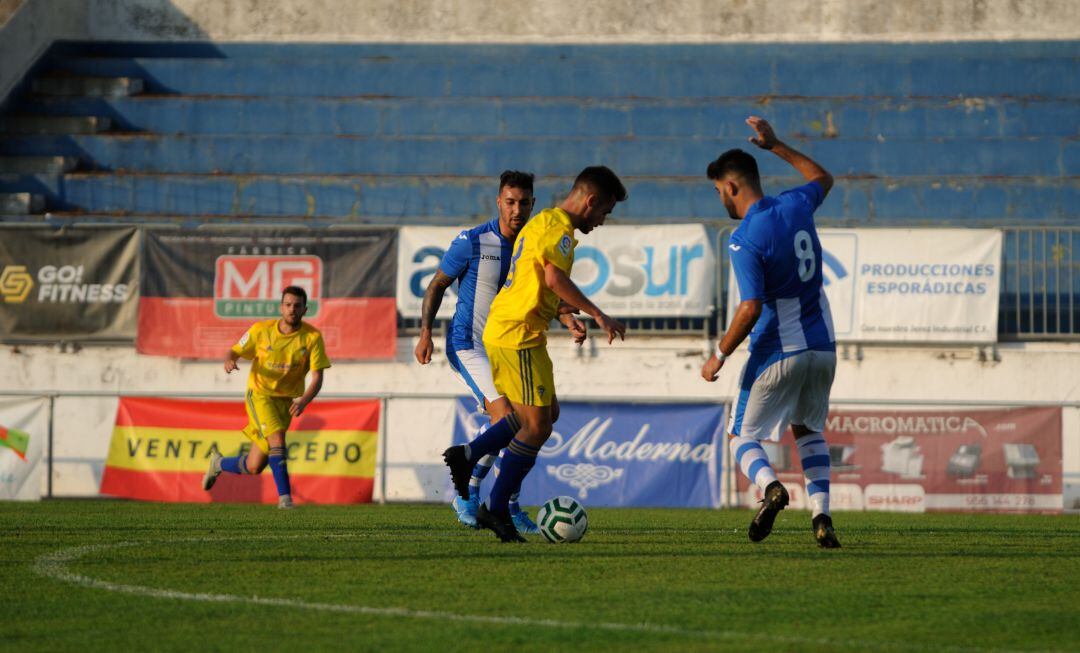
point(119, 576)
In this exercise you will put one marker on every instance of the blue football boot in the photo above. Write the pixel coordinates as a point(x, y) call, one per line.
point(466, 510)
point(523, 524)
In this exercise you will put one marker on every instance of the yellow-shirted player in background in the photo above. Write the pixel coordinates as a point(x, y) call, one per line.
point(282, 352)
point(515, 339)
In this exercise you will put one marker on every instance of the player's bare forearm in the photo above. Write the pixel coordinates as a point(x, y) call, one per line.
point(807, 167)
point(567, 290)
point(313, 388)
point(433, 297)
point(765, 138)
point(746, 316)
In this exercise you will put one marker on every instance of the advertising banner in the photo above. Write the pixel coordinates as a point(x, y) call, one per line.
point(203, 288)
point(24, 427)
point(160, 450)
point(73, 283)
point(914, 461)
point(608, 454)
point(640, 271)
point(909, 285)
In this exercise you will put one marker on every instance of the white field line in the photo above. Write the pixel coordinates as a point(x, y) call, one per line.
point(55, 565)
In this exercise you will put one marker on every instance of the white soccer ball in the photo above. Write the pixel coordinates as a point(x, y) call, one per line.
point(562, 519)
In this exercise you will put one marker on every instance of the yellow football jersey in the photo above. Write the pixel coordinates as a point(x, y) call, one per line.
point(524, 307)
point(279, 361)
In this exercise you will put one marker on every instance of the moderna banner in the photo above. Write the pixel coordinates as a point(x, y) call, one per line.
point(915, 461)
point(909, 285)
point(609, 454)
point(641, 271)
point(24, 428)
point(160, 450)
point(71, 283)
point(203, 288)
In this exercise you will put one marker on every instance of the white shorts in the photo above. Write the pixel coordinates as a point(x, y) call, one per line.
point(471, 367)
point(780, 389)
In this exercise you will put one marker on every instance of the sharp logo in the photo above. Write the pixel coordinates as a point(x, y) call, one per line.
point(15, 284)
point(250, 286)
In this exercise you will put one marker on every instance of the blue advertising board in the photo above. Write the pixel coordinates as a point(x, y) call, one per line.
point(621, 455)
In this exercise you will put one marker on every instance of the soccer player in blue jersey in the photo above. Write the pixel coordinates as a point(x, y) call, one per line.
point(478, 259)
point(776, 255)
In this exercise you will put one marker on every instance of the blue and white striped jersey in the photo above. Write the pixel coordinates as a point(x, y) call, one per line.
point(479, 259)
point(777, 259)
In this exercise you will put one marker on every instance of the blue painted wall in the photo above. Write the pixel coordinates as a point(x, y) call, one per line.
point(965, 134)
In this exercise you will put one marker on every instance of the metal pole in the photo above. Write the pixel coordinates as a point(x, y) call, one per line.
point(385, 439)
point(49, 457)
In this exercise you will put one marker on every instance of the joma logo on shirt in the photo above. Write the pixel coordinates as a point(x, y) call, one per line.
point(250, 286)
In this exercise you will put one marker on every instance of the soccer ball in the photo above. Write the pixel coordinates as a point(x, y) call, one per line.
point(562, 519)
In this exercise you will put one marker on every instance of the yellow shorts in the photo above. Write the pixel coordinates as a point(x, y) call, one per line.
point(525, 376)
point(266, 416)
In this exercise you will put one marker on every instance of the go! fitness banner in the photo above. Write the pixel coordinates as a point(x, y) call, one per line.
point(72, 283)
point(909, 285)
point(24, 427)
point(203, 288)
point(914, 461)
point(609, 454)
point(160, 450)
point(646, 271)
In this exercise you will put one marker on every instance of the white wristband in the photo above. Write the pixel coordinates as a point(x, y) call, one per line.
point(720, 356)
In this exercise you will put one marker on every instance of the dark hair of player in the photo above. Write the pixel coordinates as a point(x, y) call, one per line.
point(601, 180)
point(294, 290)
point(516, 179)
point(735, 162)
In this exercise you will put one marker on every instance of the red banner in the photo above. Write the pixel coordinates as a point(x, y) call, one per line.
point(161, 448)
point(201, 289)
point(914, 461)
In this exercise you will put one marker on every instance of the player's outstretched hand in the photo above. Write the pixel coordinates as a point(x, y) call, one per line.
point(297, 407)
point(611, 327)
point(423, 350)
point(230, 365)
point(710, 371)
point(764, 137)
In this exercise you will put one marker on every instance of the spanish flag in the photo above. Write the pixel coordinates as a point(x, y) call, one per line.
point(161, 448)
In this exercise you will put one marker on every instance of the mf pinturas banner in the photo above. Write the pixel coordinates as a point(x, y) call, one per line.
point(160, 450)
point(72, 283)
point(609, 454)
point(647, 271)
point(909, 285)
point(919, 460)
point(203, 288)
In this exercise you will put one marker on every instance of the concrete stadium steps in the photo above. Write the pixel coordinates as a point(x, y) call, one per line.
point(915, 201)
point(53, 124)
point(904, 119)
point(924, 70)
point(559, 156)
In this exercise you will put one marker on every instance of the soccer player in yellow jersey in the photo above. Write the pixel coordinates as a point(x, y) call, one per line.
point(282, 352)
point(515, 339)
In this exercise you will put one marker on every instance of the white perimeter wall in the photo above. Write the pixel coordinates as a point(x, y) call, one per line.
point(420, 412)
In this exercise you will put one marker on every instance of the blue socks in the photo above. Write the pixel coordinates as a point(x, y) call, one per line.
point(280, 470)
point(492, 440)
point(234, 464)
point(518, 459)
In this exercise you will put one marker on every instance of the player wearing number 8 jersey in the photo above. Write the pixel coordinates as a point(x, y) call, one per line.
point(776, 255)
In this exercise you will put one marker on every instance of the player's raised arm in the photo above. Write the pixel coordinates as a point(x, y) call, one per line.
point(433, 297)
point(567, 290)
point(765, 138)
